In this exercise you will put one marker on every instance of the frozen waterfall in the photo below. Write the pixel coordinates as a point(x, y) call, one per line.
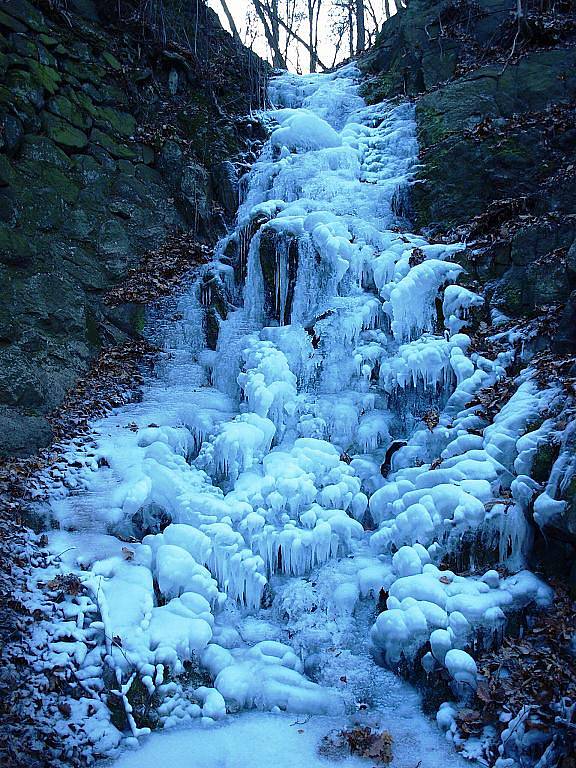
point(244, 518)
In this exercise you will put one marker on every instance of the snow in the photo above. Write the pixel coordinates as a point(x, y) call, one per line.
point(236, 521)
point(265, 740)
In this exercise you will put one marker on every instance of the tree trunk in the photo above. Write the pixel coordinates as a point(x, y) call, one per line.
point(311, 36)
point(230, 19)
point(274, 15)
point(350, 28)
point(360, 26)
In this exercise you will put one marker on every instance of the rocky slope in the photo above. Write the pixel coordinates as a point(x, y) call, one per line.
point(117, 129)
point(495, 104)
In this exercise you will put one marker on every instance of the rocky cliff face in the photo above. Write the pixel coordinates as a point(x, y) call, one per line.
point(495, 103)
point(116, 132)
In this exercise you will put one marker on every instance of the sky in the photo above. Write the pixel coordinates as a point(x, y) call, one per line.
point(299, 56)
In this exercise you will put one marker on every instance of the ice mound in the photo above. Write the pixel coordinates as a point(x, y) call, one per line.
point(429, 604)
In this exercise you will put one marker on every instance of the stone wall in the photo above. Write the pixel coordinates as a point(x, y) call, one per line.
point(111, 138)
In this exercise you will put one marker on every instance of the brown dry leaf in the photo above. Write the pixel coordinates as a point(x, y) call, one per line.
point(381, 748)
point(68, 583)
point(416, 257)
point(483, 692)
point(431, 418)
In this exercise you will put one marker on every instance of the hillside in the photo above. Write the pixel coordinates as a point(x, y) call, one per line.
point(117, 133)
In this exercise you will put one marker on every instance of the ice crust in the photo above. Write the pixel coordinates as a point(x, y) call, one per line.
point(261, 464)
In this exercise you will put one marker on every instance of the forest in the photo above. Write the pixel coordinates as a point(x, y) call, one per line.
point(288, 383)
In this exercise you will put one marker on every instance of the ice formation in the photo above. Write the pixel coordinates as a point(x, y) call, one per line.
point(269, 462)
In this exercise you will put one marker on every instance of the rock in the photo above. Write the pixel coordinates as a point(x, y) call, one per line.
point(8, 22)
point(20, 382)
point(67, 110)
point(225, 181)
point(565, 340)
point(121, 123)
point(170, 162)
point(62, 132)
point(12, 133)
point(22, 434)
point(27, 13)
point(532, 242)
point(173, 82)
point(571, 261)
point(195, 192)
point(15, 248)
point(112, 61)
point(44, 149)
point(24, 46)
point(111, 145)
point(114, 246)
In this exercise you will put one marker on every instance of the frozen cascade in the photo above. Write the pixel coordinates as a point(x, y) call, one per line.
point(223, 519)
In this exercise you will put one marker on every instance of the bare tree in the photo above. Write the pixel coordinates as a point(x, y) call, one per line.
point(272, 22)
point(291, 27)
point(267, 11)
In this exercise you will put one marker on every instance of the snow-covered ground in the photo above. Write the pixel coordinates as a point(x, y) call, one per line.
point(238, 519)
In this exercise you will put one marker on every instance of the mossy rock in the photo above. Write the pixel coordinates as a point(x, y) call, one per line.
point(115, 148)
point(84, 71)
point(148, 175)
point(520, 290)
point(68, 110)
point(47, 177)
point(148, 154)
point(45, 76)
point(546, 455)
point(379, 87)
point(22, 84)
point(83, 100)
point(48, 40)
point(112, 61)
point(62, 132)
point(89, 169)
point(15, 248)
point(120, 122)
point(25, 109)
point(105, 93)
